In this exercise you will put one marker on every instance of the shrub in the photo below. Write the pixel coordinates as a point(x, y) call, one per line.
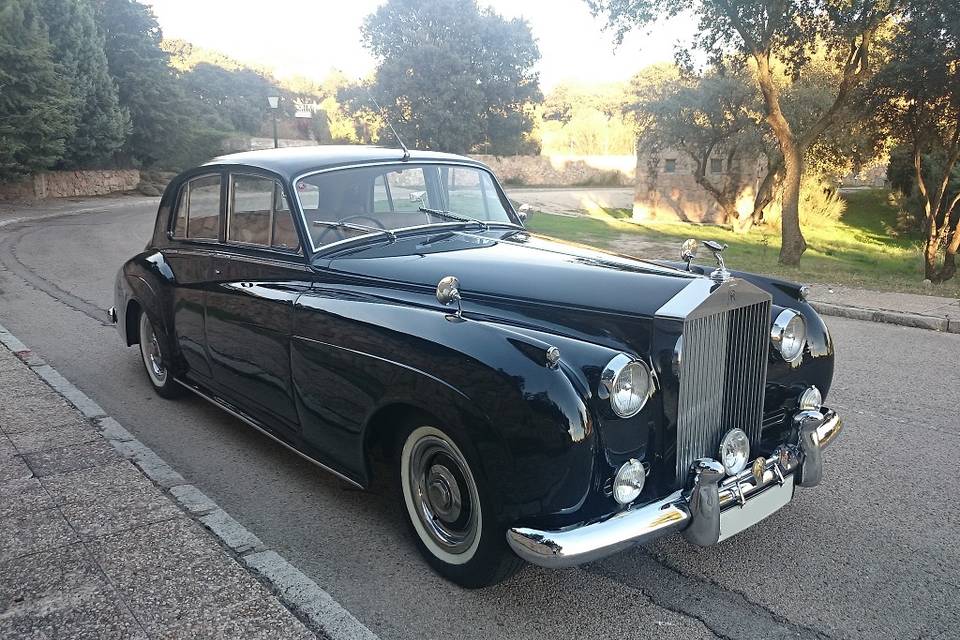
point(820, 204)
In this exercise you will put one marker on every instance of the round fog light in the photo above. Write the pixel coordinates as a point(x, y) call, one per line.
point(734, 451)
point(629, 481)
point(811, 400)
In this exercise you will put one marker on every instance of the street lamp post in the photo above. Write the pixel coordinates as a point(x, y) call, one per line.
point(274, 105)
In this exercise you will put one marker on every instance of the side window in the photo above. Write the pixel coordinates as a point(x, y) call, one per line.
point(408, 189)
point(284, 231)
point(382, 198)
point(251, 210)
point(180, 227)
point(203, 208)
point(470, 192)
point(259, 214)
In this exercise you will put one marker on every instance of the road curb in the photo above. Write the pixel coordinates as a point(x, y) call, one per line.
point(920, 321)
point(308, 601)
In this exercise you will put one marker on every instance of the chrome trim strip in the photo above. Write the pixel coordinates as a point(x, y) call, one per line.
point(696, 511)
point(236, 413)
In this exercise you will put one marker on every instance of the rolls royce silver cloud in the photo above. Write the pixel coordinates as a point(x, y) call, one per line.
point(538, 401)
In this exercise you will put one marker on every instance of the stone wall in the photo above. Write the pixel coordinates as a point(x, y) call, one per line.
point(666, 189)
point(563, 170)
point(67, 184)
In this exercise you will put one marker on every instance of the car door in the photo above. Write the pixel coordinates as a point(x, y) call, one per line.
point(258, 274)
point(194, 234)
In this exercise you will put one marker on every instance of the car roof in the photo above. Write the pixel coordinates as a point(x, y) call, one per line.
point(294, 161)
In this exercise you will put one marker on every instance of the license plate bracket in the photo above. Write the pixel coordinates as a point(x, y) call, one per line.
point(743, 516)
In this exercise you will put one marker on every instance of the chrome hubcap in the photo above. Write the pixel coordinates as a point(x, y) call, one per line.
point(444, 493)
point(150, 349)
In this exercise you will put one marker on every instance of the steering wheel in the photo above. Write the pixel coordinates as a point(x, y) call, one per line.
point(373, 222)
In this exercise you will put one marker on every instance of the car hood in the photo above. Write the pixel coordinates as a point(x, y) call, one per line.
point(519, 267)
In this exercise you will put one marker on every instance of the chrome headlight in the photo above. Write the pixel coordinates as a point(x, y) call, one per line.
point(789, 334)
point(734, 451)
point(629, 482)
point(627, 383)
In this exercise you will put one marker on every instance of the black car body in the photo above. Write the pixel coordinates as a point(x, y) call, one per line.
point(301, 316)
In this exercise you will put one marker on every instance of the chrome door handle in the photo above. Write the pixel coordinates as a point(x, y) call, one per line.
point(216, 272)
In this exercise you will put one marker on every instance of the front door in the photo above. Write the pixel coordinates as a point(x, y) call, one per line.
point(256, 278)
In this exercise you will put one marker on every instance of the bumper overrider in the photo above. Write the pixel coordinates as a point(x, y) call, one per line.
point(710, 509)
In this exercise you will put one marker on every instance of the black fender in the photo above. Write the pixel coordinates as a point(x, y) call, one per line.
point(354, 353)
point(147, 279)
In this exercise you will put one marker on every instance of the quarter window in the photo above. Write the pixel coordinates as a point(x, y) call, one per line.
point(259, 214)
point(198, 212)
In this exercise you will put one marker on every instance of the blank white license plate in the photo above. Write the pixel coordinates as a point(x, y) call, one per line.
point(736, 519)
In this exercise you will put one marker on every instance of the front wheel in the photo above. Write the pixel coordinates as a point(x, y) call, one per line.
point(449, 512)
point(155, 360)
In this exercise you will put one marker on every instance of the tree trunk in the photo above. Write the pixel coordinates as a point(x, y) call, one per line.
point(792, 243)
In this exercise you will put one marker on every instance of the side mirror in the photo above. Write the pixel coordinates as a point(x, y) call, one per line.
point(448, 292)
point(688, 251)
point(417, 196)
point(524, 212)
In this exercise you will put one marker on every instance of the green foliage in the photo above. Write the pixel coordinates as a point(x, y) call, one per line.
point(856, 250)
point(160, 114)
point(99, 124)
point(234, 100)
point(586, 120)
point(451, 76)
point(917, 101)
point(34, 102)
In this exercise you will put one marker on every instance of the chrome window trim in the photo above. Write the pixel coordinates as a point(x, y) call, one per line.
point(508, 207)
point(273, 212)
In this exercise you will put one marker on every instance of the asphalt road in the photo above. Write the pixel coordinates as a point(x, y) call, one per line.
point(873, 552)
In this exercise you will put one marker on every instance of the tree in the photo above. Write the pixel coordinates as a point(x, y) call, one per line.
point(708, 117)
point(33, 101)
point(452, 76)
point(162, 119)
point(586, 119)
point(236, 98)
point(763, 31)
point(99, 126)
point(917, 97)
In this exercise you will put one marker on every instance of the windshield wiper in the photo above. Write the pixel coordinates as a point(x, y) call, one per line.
point(454, 216)
point(357, 227)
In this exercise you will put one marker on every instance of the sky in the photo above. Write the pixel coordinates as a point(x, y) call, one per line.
point(311, 37)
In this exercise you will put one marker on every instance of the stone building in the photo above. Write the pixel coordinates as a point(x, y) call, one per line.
point(667, 189)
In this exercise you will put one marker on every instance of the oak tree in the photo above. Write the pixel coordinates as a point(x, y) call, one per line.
point(762, 31)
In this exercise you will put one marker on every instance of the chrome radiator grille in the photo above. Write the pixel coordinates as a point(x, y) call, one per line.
point(723, 373)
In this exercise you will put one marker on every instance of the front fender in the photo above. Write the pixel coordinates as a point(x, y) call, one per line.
point(354, 352)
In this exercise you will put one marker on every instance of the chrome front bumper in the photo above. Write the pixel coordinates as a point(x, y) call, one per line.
point(696, 510)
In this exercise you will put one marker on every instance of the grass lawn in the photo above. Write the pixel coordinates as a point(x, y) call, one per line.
point(857, 251)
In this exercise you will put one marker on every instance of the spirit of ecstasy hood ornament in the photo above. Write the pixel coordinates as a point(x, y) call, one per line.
point(720, 274)
point(688, 251)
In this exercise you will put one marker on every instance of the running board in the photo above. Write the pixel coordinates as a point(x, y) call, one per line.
point(236, 413)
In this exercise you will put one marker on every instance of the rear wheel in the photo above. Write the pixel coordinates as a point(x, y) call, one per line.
point(155, 360)
point(448, 508)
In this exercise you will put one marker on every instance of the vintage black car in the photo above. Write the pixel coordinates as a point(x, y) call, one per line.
point(541, 401)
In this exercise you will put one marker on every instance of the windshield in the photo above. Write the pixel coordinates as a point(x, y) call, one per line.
point(349, 202)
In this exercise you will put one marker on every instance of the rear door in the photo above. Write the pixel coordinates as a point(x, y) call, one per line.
point(195, 236)
point(258, 274)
